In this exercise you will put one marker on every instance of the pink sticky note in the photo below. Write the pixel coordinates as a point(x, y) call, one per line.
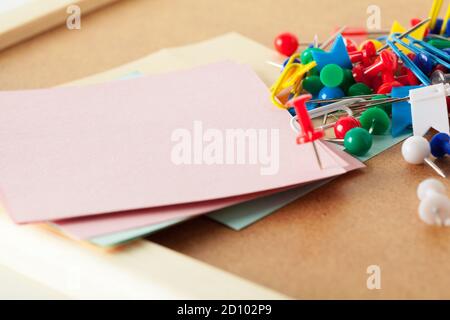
point(93, 226)
point(88, 227)
point(120, 146)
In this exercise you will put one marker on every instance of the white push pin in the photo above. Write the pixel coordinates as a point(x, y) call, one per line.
point(416, 150)
point(434, 208)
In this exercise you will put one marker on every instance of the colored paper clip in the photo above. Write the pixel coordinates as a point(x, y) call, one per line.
point(290, 77)
point(430, 49)
point(411, 65)
point(412, 45)
point(325, 110)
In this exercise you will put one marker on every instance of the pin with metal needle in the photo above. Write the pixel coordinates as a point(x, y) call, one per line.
point(417, 150)
point(407, 32)
point(307, 134)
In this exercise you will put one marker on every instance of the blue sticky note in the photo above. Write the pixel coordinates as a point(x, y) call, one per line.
point(401, 111)
point(337, 55)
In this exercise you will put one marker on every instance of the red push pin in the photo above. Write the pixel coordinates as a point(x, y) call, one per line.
point(387, 61)
point(307, 131)
point(350, 45)
point(408, 78)
point(387, 64)
point(358, 75)
point(365, 56)
point(389, 82)
point(404, 74)
point(286, 43)
point(377, 82)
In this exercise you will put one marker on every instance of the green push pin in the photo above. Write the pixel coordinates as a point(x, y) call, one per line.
point(332, 76)
point(439, 43)
point(358, 141)
point(348, 80)
point(375, 120)
point(307, 57)
point(387, 107)
point(359, 89)
point(312, 84)
point(314, 72)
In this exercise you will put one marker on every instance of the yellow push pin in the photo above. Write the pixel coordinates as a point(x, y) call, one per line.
point(434, 13)
point(445, 23)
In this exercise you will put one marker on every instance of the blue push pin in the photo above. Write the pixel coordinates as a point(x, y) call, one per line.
point(287, 60)
point(424, 62)
point(331, 93)
point(437, 26)
point(447, 30)
point(440, 145)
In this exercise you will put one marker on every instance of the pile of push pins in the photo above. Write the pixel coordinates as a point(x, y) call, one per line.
point(359, 86)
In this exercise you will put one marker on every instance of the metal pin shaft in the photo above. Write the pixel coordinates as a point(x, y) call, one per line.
point(407, 32)
point(317, 155)
point(435, 167)
point(331, 39)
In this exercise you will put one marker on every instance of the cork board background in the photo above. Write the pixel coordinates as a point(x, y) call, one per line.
point(319, 246)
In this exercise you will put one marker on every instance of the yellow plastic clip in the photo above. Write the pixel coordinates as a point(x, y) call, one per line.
point(445, 23)
point(291, 77)
point(434, 12)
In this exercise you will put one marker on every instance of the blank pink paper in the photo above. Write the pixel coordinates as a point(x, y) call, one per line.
point(80, 151)
point(94, 226)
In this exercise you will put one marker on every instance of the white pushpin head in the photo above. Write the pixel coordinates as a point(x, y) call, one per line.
point(430, 186)
point(416, 149)
point(434, 208)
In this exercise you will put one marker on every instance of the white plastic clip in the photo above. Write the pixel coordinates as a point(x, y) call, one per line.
point(429, 109)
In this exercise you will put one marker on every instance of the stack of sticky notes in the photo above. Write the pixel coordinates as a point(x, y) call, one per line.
point(114, 161)
point(126, 154)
